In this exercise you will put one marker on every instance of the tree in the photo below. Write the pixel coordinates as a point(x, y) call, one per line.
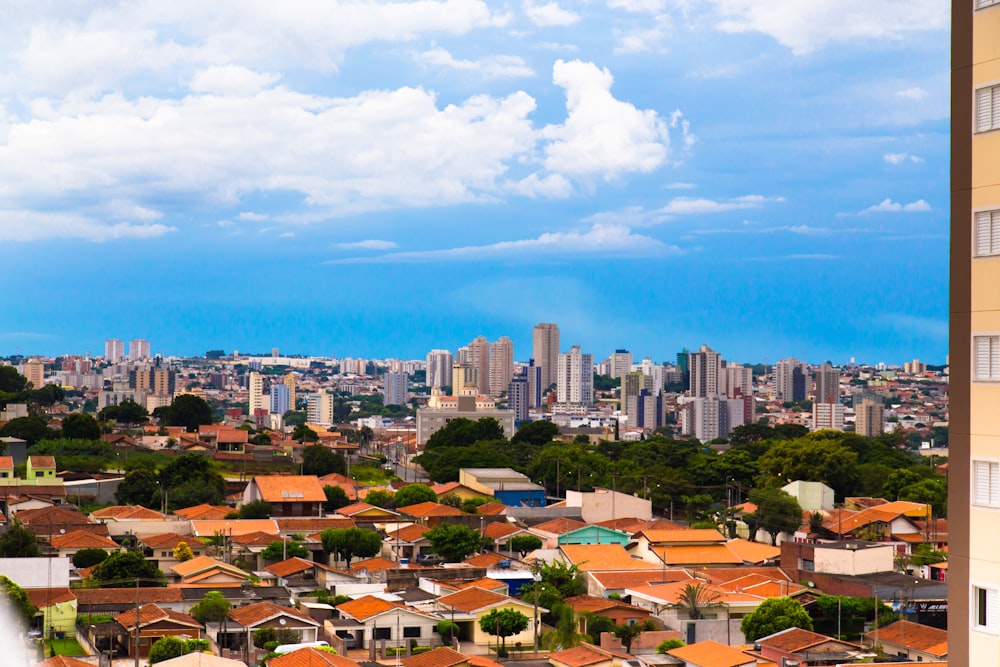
point(597, 625)
point(18, 598)
point(524, 543)
point(350, 542)
point(817, 457)
point(190, 480)
point(336, 498)
point(139, 487)
point(182, 552)
point(380, 498)
point(212, 608)
point(19, 542)
point(256, 509)
point(320, 460)
point(126, 412)
point(503, 623)
point(166, 648)
point(567, 579)
point(453, 542)
point(694, 599)
point(925, 554)
point(11, 381)
point(80, 426)
point(774, 615)
point(125, 567)
point(85, 558)
point(31, 429)
point(627, 633)
point(303, 433)
point(447, 630)
point(411, 494)
point(777, 511)
point(669, 645)
point(565, 634)
point(463, 432)
point(189, 411)
point(263, 636)
point(539, 433)
point(281, 549)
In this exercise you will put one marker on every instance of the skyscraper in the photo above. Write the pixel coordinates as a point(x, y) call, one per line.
point(501, 365)
point(439, 364)
point(396, 385)
point(790, 379)
point(280, 399)
point(256, 393)
point(869, 420)
point(291, 382)
point(479, 359)
point(34, 371)
point(632, 384)
point(138, 349)
point(737, 380)
point(827, 384)
point(114, 350)
point(621, 363)
point(705, 365)
point(575, 377)
point(545, 352)
point(534, 375)
point(462, 378)
point(517, 396)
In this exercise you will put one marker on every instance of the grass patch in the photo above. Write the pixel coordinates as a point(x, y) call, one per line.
point(68, 647)
point(369, 475)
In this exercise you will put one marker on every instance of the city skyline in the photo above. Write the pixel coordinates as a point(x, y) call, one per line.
point(367, 177)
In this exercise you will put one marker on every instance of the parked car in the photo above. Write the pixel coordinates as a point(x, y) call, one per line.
point(349, 640)
point(429, 559)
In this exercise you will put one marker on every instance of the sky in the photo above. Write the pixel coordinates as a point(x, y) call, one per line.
point(376, 179)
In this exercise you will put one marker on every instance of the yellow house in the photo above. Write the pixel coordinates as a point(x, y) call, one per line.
point(41, 470)
point(56, 610)
point(468, 606)
point(462, 491)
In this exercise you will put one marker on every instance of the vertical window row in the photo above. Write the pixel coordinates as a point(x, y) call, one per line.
point(986, 483)
point(986, 358)
point(988, 108)
point(985, 609)
point(987, 233)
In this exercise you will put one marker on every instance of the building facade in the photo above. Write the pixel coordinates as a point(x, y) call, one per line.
point(439, 363)
point(114, 350)
point(138, 349)
point(396, 385)
point(870, 419)
point(545, 351)
point(501, 365)
point(704, 367)
point(575, 377)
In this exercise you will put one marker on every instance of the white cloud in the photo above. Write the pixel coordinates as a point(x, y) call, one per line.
point(900, 158)
point(695, 206)
point(231, 80)
point(912, 93)
point(369, 244)
point(647, 39)
point(806, 26)
point(889, 206)
point(602, 136)
point(677, 185)
point(493, 67)
point(253, 217)
point(553, 186)
point(639, 6)
point(550, 14)
point(601, 240)
point(36, 226)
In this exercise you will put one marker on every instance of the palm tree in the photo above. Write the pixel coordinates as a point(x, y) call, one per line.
point(696, 598)
point(566, 633)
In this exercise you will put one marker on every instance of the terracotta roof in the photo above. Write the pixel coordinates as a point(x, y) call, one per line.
point(631, 579)
point(255, 539)
point(153, 613)
point(429, 509)
point(499, 530)
point(204, 511)
point(290, 488)
point(373, 565)
point(473, 599)
point(113, 596)
point(579, 656)
point(714, 554)
point(43, 597)
point(794, 640)
point(712, 654)
point(311, 657)
point(290, 566)
point(356, 508)
point(122, 512)
point(62, 661)
point(254, 614)
point(488, 559)
point(593, 603)
point(42, 461)
point(53, 515)
point(560, 526)
point(683, 536)
point(82, 539)
point(482, 661)
point(408, 534)
point(753, 552)
point(208, 528)
point(365, 607)
point(633, 525)
point(589, 557)
point(169, 540)
point(913, 635)
point(200, 564)
point(442, 656)
point(311, 525)
point(487, 584)
point(491, 509)
point(6, 462)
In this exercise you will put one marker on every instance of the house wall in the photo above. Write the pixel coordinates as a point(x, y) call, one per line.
point(394, 629)
point(485, 639)
point(854, 562)
point(605, 504)
point(60, 617)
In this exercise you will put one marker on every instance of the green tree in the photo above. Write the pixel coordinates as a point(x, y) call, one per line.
point(125, 567)
point(669, 645)
point(263, 636)
point(442, 464)
point(412, 494)
point(524, 543)
point(166, 648)
point(303, 433)
point(565, 578)
point(348, 543)
point(182, 552)
point(694, 599)
point(85, 558)
point(565, 633)
point(817, 457)
point(453, 542)
point(380, 498)
point(777, 511)
point(463, 432)
point(189, 411)
point(18, 541)
point(774, 615)
point(80, 426)
point(539, 433)
point(320, 460)
point(17, 598)
point(503, 623)
point(447, 630)
point(627, 633)
point(925, 554)
point(597, 625)
point(139, 487)
point(190, 480)
point(31, 429)
point(11, 381)
point(256, 509)
point(278, 549)
point(336, 498)
point(126, 412)
point(212, 608)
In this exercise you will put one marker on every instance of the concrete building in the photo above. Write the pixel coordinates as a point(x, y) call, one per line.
point(479, 360)
point(575, 377)
point(439, 363)
point(915, 367)
point(518, 399)
point(396, 386)
point(34, 371)
point(828, 416)
point(462, 378)
point(505, 485)
point(292, 383)
point(434, 417)
point(812, 496)
point(545, 351)
point(631, 384)
point(704, 367)
point(737, 380)
point(654, 371)
point(256, 393)
point(319, 407)
point(870, 420)
point(280, 401)
point(114, 350)
point(605, 505)
point(533, 373)
point(712, 417)
point(501, 365)
point(157, 381)
point(645, 410)
point(827, 384)
point(621, 363)
point(790, 379)
point(138, 350)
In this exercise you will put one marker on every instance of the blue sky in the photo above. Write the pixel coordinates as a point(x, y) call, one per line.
point(769, 177)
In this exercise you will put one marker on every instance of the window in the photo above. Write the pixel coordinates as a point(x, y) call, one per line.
point(986, 483)
point(383, 633)
point(987, 233)
point(988, 109)
point(985, 3)
point(986, 354)
point(39, 474)
point(985, 608)
point(411, 631)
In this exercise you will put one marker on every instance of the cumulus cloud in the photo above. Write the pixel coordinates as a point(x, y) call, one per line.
point(549, 14)
point(369, 244)
point(889, 206)
point(806, 26)
point(231, 80)
point(602, 240)
point(646, 39)
point(36, 226)
point(493, 67)
point(900, 158)
point(602, 136)
point(912, 93)
point(639, 6)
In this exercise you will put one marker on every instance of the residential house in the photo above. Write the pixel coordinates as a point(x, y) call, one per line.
point(550, 531)
point(469, 605)
point(710, 653)
point(41, 471)
point(160, 548)
point(616, 582)
point(597, 557)
point(307, 657)
point(594, 534)
point(442, 656)
point(68, 544)
point(458, 490)
point(288, 495)
point(56, 610)
point(365, 513)
point(205, 572)
point(127, 513)
point(56, 520)
point(204, 512)
point(620, 612)
point(589, 655)
point(910, 641)
point(295, 572)
point(807, 648)
point(153, 623)
point(382, 620)
point(236, 634)
point(408, 542)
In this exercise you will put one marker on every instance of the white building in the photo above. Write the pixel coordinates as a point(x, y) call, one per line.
point(256, 393)
point(575, 377)
point(396, 386)
point(621, 363)
point(439, 368)
point(828, 416)
point(114, 350)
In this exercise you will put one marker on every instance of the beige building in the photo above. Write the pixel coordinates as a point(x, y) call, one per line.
point(479, 359)
point(256, 392)
point(545, 351)
point(34, 370)
point(501, 365)
point(974, 423)
point(870, 419)
point(431, 419)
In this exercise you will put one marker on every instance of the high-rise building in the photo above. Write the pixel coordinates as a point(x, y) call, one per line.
point(291, 382)
point(545, 352)
point(34, 371)
point(655, 371)
point(575, 377)
point(737, 380)
point(632, 384)
point(790, 379)
point(462, 378)
point(479, 359)
point(827, 384)
point(870, 418)
point(156, 381)
point(828, 416)
point(439, 364)
point(397, 387)
point(645, 410)
point(535, 388)
point(517, 396)
point(705, 366)
point(320, 407)
point(712, 417)
point(114, 350)
point(621, 363)
point(280, 399)
point(138, 349)
point(501, 365)
point(256, 393)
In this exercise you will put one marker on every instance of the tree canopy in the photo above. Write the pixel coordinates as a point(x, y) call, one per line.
point(18, 599)
point(19, 541)
point(540, 432)
point(411, 494)
point(282, 549)
point(774, 615)
point(125, 567)
point(187, 410)
point(212, 608)
point(454, 542)
point(777, 512)
point(320, 460)
point(139, 487)
point(336, 498)
point(85, 558)
point(348, 543)
point(81, 426)
point(126, 412)
point(503, 623)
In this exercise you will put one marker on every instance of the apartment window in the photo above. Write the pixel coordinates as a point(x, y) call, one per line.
point(986, 358)
point(980, 4)
point(986, 483)
point(988, 109)
point(985, 609)
point(987, 233)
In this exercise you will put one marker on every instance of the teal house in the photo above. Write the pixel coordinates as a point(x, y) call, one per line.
point(595, 534)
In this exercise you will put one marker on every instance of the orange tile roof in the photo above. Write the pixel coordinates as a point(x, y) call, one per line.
point(153, 613)
point(204, 511)
point(487, 584)
point(290, 566)
point(62, 661)
point(201, 564)
point(357, 508)
point(6, 462)
point(408, 534)
point(631, 579)
point(491, 509)
point(442, 656)
point(499, 529)
point(44, 597)
point(590, 557)
point(209, 527)
point(473, 599)
point(255, 539)
point(712, 654)
point(429, 509)
point(254, 614)
point(311, 657)
point(593, 603)
point(290, 488)
point(633, 525)
point(373, 565)
point(913, 635)
point(365, 607)
point(753, 552)
point(716, 554)
point(794, 640)
point(482, 661)
point(311, 525)
point(488, 559)
point(127, 512)
point(98, 596)
point(42, 461)
point(82, 539)
point(169, 540)
point(579, 656)
point(683, 536)
point(560, 526)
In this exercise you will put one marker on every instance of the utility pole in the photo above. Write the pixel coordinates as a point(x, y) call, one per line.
point(137, 622)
